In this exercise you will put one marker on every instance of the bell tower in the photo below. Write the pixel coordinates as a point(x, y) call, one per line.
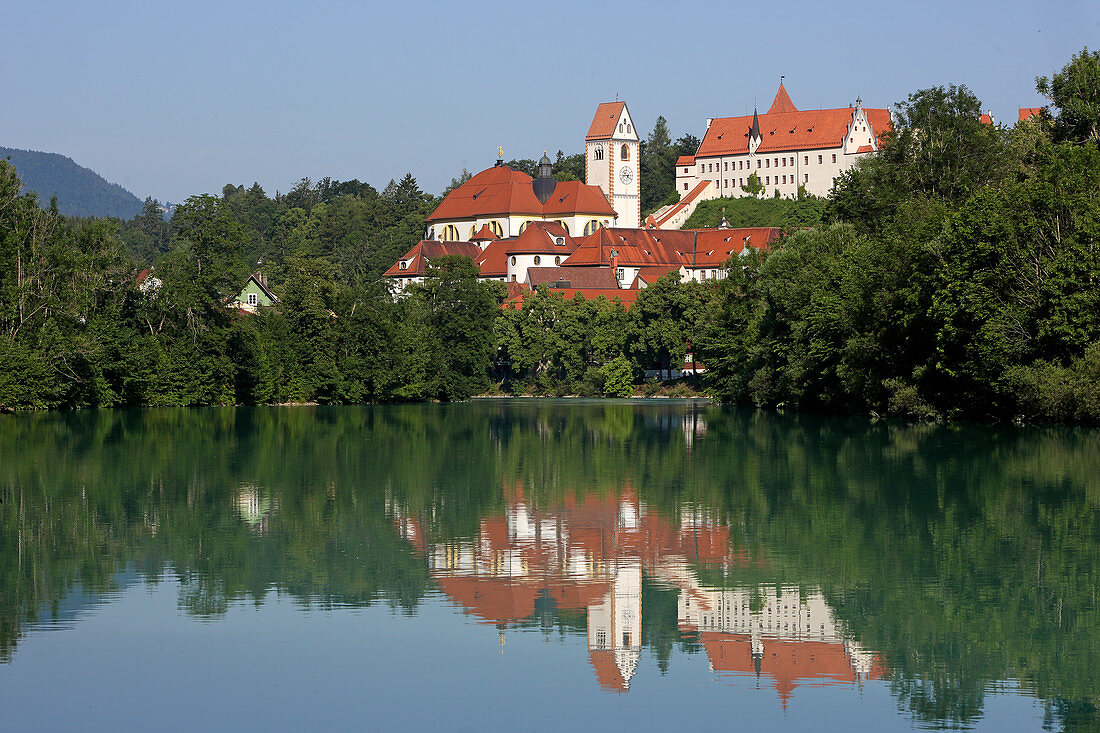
point(611, 150)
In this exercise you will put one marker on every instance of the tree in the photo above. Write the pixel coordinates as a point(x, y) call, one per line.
point(753, 186)
point(1075, 91)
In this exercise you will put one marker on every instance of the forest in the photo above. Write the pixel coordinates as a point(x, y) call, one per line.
point(951, 276)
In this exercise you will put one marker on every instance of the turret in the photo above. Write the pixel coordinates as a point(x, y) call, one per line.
point(544, 185)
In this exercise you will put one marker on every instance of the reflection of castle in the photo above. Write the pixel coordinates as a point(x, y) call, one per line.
point(589, 556)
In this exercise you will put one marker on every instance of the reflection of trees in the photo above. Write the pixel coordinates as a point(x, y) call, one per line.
point(964, 555)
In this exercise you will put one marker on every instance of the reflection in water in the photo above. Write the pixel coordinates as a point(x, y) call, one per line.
point(943, 561)
point(589, 555)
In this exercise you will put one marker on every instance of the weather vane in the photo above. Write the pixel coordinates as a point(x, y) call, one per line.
point(500, 152)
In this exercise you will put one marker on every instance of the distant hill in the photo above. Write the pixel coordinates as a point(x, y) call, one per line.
point(79, 190)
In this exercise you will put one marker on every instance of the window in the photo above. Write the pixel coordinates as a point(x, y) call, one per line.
point(807, 176)
point(513, 276)
point(253, 300)
point(784, 179)
point(758, 164)
point(494, 227)
point(685, 170)
point(450, 233)
point(726, 166)
point(784, 162)
point(767, 162)
point(594, 224)
point(620, 127)
point(767, 180)
point(513, 259)
point(564, 226)
point(805, 160)
point(834, 157)
point(538, 260)
point(819, 160)
point(619, 274)
point(714, 274)
point(597, 152)
point(685, 188)
point(628, 127)
point(557, 260)
point(625, 152)
point(404, 266)
point(524, 226)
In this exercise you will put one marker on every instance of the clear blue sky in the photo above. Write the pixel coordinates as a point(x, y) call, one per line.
point(180, 98)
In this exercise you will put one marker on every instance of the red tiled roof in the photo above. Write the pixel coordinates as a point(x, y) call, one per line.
point(576, 197)
point(686, 160)
point(782, 102)
point(692, 195)
point(603, 123)
point(501, 191)
point(646, 248)
point(576, 277)
point(429, 249)
point(986, 119)
point(787, 129)
point(627, 297)
point(493, 260)
point(715, 246)
point(539, 238)
point(652, 274)
point(866, 149)
point(484, 234)
point(1027, 113)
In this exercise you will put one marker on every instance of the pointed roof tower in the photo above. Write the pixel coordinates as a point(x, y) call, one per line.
point(782, 102)
point(755, 138)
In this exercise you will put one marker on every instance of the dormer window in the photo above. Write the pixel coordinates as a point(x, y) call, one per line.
point(252, 299)
point(404, 266)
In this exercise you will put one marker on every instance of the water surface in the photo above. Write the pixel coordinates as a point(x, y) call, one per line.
point(540, 565)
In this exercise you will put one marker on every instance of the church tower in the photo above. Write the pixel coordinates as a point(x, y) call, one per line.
point(611, 162)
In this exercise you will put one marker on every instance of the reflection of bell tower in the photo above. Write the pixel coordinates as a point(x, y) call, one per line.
point(615, 628)
point(611, 161)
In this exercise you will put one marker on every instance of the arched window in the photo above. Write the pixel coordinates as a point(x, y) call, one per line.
point(513, 259)
point(523, 226)
point(625, 152)
point(473, 231)
point(557, 260)
point(404, 265)
point(564, 226)
point(597, 152)
point(494, 227)
point(538, 260)
point(594, 224)
point(450, 233)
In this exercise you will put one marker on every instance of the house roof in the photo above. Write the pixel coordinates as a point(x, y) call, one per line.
point(428, 249)
point(627, 297)
point(493, 260)
point(599, 277)
point(603, 122)
point(1027, 113)
point(541, 237)
point(649, 248)
point(784, 127)
point(782, 102)
point(695, 193)
point(484, 234)
point(261, 283)
point(503, 191)
point(986, 119)
point(686, 160)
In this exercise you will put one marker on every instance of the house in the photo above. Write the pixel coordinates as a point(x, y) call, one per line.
point(254, 295)
point(787, 149)
point(413, 265)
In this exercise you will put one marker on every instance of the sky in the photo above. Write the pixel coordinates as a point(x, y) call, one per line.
point(175, 99)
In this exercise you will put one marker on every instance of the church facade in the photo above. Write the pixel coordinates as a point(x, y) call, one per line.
point(785, 148)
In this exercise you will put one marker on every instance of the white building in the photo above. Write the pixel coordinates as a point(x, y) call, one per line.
point(611, 150)
point(785, 148)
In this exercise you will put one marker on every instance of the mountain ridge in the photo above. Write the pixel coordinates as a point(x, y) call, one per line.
point(80, 191)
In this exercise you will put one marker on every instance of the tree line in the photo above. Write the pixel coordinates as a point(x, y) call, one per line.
point(952, 275)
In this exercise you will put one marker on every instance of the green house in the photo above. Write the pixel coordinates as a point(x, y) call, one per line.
point(255, 294)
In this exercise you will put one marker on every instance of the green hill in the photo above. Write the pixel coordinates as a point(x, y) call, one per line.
point(80, 191)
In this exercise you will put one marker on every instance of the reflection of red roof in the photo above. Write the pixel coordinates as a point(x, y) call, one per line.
point(786, 662)
point(493, 600)
point(784, 127)
point(501, 191)
point(607, 671)
point(426, 250)
point(603, 123)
